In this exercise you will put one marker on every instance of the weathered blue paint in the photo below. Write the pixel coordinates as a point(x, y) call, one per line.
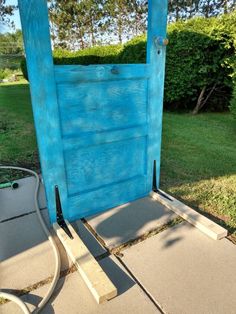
point(34, 20)
point(93, 73)
point(156, 54)
point(98, 127)
point(102, 106)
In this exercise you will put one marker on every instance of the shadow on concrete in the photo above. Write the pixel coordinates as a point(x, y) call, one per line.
point(30, 298)
point(115, 273)
point(130, 221)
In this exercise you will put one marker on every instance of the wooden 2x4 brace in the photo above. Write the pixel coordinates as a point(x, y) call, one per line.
point(98, 127)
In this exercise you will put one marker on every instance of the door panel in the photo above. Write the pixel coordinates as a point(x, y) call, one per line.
point(90, 167)
point(100, 106)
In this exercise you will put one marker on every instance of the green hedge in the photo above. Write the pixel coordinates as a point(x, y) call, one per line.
point(93, 55)
point(4, 73)
point(201, 54)
point(233, 102)
point(134, 51)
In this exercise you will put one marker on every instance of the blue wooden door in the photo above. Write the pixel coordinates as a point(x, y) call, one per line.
point(103, 112)
point(99, 126)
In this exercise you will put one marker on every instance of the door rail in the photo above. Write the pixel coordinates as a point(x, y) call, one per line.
point(100, 72)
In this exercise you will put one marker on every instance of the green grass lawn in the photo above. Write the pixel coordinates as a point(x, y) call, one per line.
point(198, 154)
point(17, 137)
point(199, 163)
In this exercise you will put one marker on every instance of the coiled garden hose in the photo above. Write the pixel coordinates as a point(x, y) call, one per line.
point(56, 276)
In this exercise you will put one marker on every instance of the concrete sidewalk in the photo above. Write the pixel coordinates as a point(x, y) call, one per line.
point(176, 271)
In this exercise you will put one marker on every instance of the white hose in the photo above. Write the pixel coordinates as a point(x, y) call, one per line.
point(16, 300)
point(53, 243)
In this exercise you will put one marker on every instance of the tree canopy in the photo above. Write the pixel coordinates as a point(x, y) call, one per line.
point(11, 43)
point(85, 23)
point(5, 12)
point(79, 24)
point(185, 9)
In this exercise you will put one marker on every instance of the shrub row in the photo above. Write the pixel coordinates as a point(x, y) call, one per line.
point(233, 102)
point(201, 55)
point(4, 73)
point(201, 59)
point(93, 55)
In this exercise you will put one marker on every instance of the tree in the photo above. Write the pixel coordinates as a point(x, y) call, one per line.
point(138, 16)
point(83, 23)
point(11, 50)
point(126, 18)
point(210, 8)
point(11, 43)
point(75, 24)
point(65, 29)
point(5, 12)
point(184, 9)
point(117, 13)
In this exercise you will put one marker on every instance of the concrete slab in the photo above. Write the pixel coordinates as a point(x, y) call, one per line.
point(74, 297)
point(185, 271)
point(21, 200)
point(26, 255)
point(129, 221)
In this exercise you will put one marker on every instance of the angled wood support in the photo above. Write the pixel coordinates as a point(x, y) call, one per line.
point(95, 278)
point(204, 224)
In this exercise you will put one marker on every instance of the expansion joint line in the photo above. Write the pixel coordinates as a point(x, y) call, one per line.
point(115, 252)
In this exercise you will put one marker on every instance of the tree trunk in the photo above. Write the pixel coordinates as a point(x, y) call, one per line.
point(92, 32)
point(119, 27)
point(199, 101)
point(177, 13)
point(225, 6)
point(82, 42)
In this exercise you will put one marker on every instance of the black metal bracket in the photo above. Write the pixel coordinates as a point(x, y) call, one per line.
point(154, 183)
point(60, 219)
point(154, 178)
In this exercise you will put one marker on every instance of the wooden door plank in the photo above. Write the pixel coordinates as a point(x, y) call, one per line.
point(106, 197)
point(35, 29)
point(95, 278)
point(100, 72)
point(156, 55)
point(76, 141)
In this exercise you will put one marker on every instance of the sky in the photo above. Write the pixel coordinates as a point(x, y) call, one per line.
point(15, 17)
